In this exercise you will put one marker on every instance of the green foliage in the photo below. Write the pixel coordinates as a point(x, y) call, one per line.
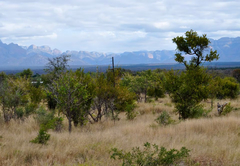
point(229, 88)
point(222, 88)
point(227, 109)
point(36, 94)
point(42, 137)
point(3, 76)
point(198, 111)
point(27, 73)
point(30, 108)
point(44, 117)
point(111, 97)
point(51, 102)
point(149, 83)
point(70, 93)
point(130, 112)
point(57, 123)
point(195, 45)
point(19, 112)
point(13, 94)
point(164, 119)
point(187, 89)
point(236, 74)
point(47, 120)
point(151, 155)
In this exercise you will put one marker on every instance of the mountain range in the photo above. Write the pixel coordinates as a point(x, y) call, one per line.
point(15, 55)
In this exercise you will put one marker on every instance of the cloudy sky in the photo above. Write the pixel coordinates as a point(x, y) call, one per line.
point(114, 25)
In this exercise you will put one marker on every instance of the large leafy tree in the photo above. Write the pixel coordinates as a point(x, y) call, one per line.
point(54, 68)
point(70, 94)
point(194, 45)
point(187, 90)
point(190, 87)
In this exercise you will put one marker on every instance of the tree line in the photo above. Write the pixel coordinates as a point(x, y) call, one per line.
point(89, 97)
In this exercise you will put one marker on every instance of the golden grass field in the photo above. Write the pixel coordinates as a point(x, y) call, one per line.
point(212, 141)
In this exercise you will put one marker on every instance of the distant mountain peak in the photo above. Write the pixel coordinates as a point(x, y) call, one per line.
point(32, 47)
point(15, 55)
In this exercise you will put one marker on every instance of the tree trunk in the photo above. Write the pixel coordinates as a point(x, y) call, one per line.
point(212, 103)
point(69, 124)
point(145, 96)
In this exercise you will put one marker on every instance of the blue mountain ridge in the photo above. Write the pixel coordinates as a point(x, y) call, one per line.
point(15, 55)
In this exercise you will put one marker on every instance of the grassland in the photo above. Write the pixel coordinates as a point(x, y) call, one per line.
point(213, 141)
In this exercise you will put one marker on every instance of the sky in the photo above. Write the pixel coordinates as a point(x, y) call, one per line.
point(114, 25)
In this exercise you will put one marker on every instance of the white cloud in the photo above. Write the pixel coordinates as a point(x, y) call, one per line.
point(114, 25)
point(162, 25)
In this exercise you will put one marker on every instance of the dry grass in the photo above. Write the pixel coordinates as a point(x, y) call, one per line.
point(212, 141)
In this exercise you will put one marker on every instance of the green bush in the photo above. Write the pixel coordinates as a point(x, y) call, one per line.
point(47, 121)
point(19, 112)
point(130, 113)
point(58, 123)
point(198, 111)
point(228, 108)
point(164, 119)
point(43, 116)
point(150, 156)
point(42, 137)
point(30, 108)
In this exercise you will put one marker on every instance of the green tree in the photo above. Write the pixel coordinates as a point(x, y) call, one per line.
point(190, 87)
point(156, 88)
point(149, 83)
point(57, 65)
point(13, 94)
point(110, 97)
point(80, 114)
point(187, 89)
point(214, 88)
point(194, 45)
point(69, 93)
point(102, 96)
point(26, 73)
point(54, 68)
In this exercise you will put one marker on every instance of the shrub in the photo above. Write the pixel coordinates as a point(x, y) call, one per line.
point(228, 108)
point(130, 113)
point(58, 123)
point(19, 112)
point(42, 137)
point(150, 156)
point(43, 116)
point(30, 108)
point(164, 119)
point(198, 111)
